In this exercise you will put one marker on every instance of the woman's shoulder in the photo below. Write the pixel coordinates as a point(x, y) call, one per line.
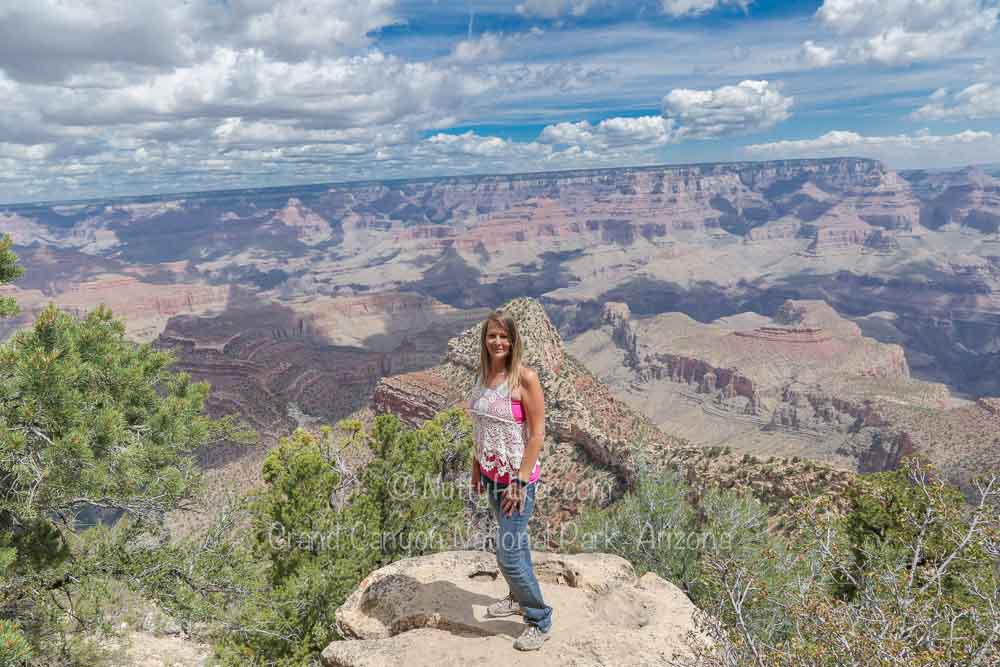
point(528, 375)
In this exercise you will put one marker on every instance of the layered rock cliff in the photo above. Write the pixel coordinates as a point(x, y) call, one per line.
point(712, 237)
point(807, 374)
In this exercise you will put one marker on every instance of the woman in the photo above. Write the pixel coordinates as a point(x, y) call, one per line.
point(508, 412)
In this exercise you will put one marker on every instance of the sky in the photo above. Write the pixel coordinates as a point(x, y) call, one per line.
point(105, 98)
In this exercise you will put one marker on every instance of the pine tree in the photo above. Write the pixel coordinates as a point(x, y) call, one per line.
point(9, 272)
point(91, 424)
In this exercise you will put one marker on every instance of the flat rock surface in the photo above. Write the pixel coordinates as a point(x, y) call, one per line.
point(431, 611)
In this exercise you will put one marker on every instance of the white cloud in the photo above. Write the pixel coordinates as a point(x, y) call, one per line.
point(980, 100)
point(233, 117)
point(556, 8)
point(746, 107)
point(373, 89)
point(26, 152)
point(697, 7)
point(236, 131)
point(675, 8)
point(612, 133)
point(900, 150)
point(895, 32)
point(474, 152)
point(488, 46)
point(688, 114)
point(815, 55)
point(474, 145)
point(837, 140)
point(50, 40)
point(296, 29)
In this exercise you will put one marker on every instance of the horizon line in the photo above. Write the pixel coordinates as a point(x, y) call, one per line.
point(423, 179)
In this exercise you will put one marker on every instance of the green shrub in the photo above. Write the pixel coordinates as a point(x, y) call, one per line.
point(891, 513)
point(908, 577)
point(653, 527)
point(681, 533)
point(317, 534)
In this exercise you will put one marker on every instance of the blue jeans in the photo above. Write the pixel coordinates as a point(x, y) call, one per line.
point(514, 555)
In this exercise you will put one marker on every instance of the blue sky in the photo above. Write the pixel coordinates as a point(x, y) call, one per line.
point(114, 97)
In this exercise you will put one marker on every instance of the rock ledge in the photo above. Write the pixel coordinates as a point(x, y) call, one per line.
point(430, 611)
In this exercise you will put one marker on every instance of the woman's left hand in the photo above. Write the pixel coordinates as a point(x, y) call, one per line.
point(513, 499)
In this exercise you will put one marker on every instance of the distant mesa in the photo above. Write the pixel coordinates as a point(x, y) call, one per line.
point(806, 382)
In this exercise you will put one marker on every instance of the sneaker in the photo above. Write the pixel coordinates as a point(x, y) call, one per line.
point(506, 607)
point(531, 639)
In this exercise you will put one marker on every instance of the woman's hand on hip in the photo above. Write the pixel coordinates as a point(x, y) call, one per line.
point(514, 498)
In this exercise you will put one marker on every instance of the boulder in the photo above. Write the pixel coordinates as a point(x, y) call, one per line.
point(430, 610)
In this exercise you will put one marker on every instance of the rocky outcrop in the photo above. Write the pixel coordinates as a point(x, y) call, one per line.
point(312, 229)
point(430, 611)
point(577, 406)
point(838, 230)
point(807, 378)
point(146, 306)
point(806, 335)
point(962, 441)
point(617, 316)
point(885, 451)
point(990, 405)
point(593, 437)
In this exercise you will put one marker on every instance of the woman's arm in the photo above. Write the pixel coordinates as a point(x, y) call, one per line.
point(533, 402)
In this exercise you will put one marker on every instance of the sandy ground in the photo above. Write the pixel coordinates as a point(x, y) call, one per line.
point(147, 650)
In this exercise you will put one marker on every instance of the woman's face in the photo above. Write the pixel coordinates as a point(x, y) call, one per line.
point(497, 342)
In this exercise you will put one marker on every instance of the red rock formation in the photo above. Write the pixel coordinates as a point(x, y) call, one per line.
point(415, 397)
point(790, 335)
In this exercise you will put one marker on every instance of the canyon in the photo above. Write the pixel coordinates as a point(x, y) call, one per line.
point(806, 383)
point(692, 291)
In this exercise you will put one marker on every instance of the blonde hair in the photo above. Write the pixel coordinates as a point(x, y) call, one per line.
point(516, 348)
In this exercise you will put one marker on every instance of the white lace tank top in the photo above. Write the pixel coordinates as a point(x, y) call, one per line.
point(498, 436)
